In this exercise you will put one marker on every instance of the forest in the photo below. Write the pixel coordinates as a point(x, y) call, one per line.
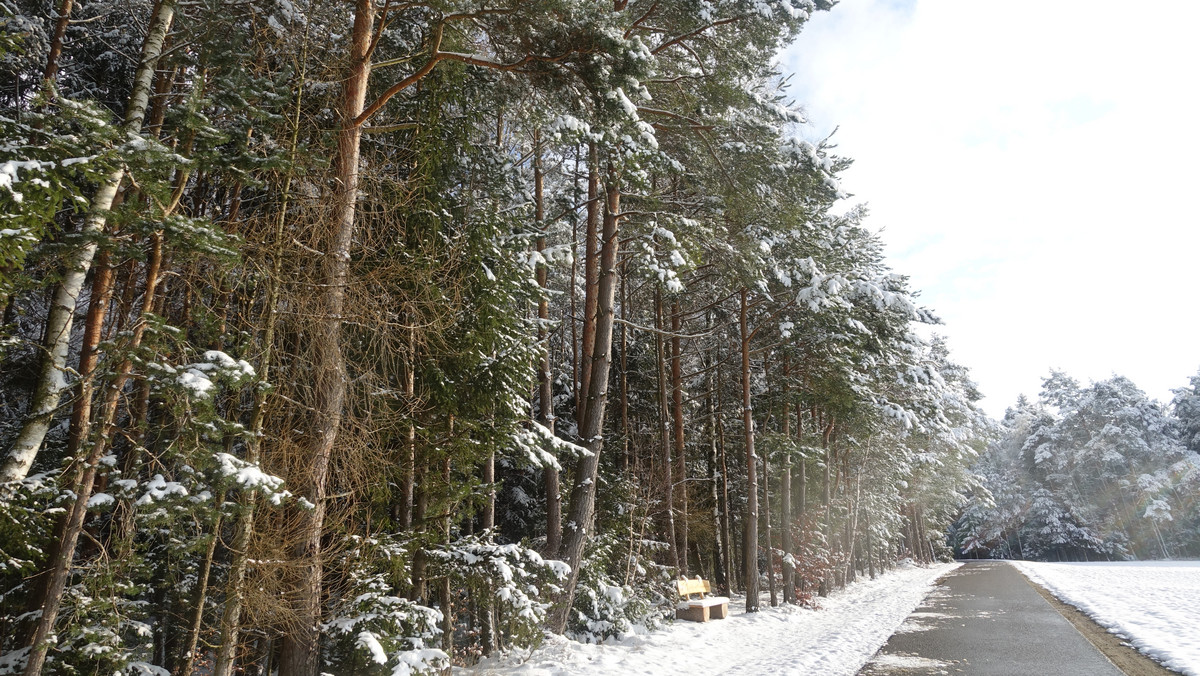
point(373, 337)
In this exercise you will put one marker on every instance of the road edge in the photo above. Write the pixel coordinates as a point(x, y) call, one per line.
point(1124, 656)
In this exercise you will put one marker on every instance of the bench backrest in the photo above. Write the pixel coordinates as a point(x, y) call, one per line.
point(689, 587)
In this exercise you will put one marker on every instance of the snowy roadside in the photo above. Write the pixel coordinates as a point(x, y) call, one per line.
point(835, 640)
point(1151, 604)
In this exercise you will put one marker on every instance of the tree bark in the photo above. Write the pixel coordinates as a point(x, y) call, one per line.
point(720, 571)
point(681, 528)
point(726, 515)
point(626, 452)
point(56, 41)
point(300, 646)
point(766, 519)
point(409, 459)
point(583, 489)
point(591, 286)
point(785, 490)
point(750, 521)
point(56, 345)
point(197, 619)
point(664, 438)
point(545, 386)
point(445, 598)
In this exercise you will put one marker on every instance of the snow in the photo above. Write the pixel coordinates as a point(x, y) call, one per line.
point(1151, 604)
point(834, 640)
point(100, 500)
point(367, 640)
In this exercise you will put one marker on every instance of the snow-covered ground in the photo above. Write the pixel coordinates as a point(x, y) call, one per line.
point(835, 640)
point(1155, 605)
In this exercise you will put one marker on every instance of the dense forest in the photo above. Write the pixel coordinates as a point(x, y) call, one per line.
point(374, 336)
point(1089, 473)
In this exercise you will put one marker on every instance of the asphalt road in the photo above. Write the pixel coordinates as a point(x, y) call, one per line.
point(984, 619)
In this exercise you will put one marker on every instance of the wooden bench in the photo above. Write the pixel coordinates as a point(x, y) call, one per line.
point(702, 608)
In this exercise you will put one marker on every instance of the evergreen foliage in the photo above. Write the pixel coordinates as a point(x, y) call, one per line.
point(329, 406)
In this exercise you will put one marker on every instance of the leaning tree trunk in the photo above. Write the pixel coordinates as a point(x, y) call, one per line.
point(52, 377)
point(60, 566)
point(583, 489)
point(750, 520)
point(300, 646)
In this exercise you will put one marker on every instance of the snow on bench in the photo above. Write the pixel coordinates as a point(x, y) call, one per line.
point(703, 608)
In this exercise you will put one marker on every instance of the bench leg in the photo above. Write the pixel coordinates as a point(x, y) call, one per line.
point(719, 612)
point(694, 614)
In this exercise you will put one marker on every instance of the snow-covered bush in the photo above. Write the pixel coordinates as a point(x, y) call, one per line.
point(620, 591)
point(375, 630)
point(517, 581)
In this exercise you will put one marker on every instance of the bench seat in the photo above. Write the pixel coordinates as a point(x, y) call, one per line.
point(710, 601)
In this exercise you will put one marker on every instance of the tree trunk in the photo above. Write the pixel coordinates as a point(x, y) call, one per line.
point(664, 439)
point(197, 620)
point(445, 598)
point(802, 480)
point(591, 262)
point(750, 521)
point(56, 42)
point(52, 377)
point(410, 436)
point(720, 572)
point(583, 489)
point(300, 646)
point(785, 491)
point(869, 544)
point(488, 522)
point(420, 561)
point(852, 533)
point(681, 529)
point(766, 519)
point(726, 515)
point(625, 445)
point(545, 385)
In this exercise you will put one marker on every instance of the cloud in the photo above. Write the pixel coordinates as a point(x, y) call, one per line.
point(1033, 171)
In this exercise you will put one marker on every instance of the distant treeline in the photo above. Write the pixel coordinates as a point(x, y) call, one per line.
point(1097, 472)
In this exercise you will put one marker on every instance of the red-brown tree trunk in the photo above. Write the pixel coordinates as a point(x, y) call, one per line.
point(591, 263)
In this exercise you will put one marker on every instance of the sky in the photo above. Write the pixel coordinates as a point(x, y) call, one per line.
point(1034, 169)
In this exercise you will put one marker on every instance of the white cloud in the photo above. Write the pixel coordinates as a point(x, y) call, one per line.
point(1033, 169)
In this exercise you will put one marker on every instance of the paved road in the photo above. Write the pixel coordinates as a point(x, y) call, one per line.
point(984, 619)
